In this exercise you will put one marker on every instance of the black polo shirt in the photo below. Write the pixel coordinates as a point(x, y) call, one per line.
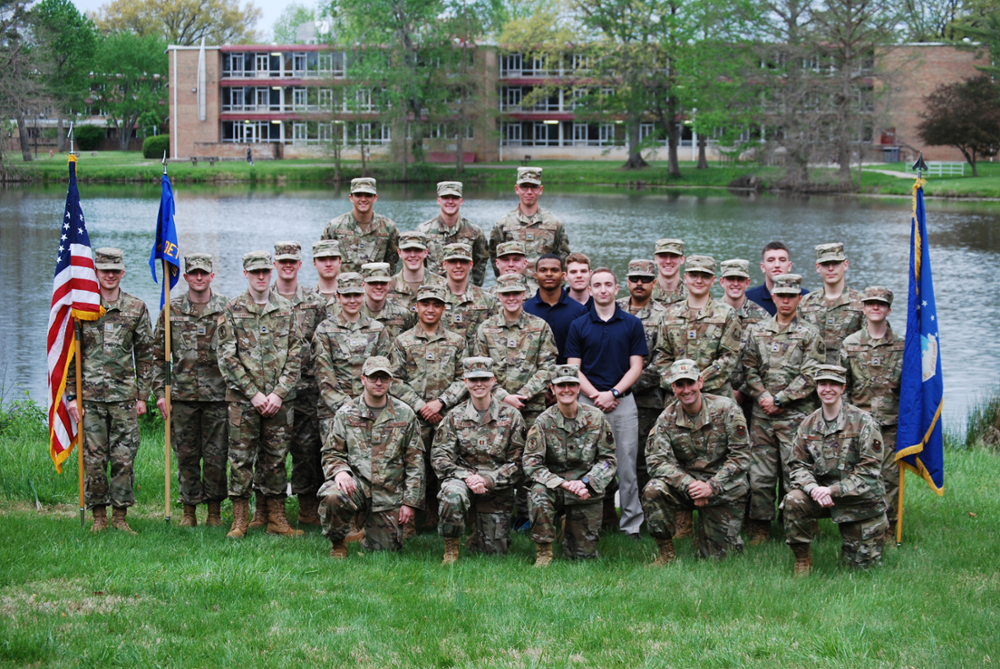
point(762, 296)
point(604, 347)
point(558, 316)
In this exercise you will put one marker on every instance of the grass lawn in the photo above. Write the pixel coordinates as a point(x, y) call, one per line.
point(987, 184)
point(174, 597)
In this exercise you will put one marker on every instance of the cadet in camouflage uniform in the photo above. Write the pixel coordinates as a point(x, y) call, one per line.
point(669, 257)
point(117, 352)
point(364, 236)
point(326, 260)
point(260, 354)
point(837, 457)
point(734, 279)
point(873, 357)
point(394, 317)
point(373, 461)
point(340, 347)
point(540, 230)
point(698, 457)
point(477, 456)
point(780, 358)
point(450, 227)
point(404, 284)
point(836, 311)
point(702, 329)
point(467, 305)
point(569, 457)
point(198, 410)
point(511, 260)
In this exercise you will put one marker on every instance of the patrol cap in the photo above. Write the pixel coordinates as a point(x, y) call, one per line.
point(428, 292)
point(737, 267)
point(683, 369)
point(326, 248)
point(830, 252)
point(529, 175)
point(287, 251)
point(450, 188)
point(350, 283)
point(363, 185)
point(376, 272)
point(198, 261)
point(878, 294)
point(787, 284)
point(675, 246)
point(700, 264)
point(256, 260)
point(510, 249)
point(412, 239)
point(566, 374)
point(834, 373)
point(640, 267)
point(109, 258)
point(457, 251)
point(478, 368)
point(511, 283)
point(376, 363)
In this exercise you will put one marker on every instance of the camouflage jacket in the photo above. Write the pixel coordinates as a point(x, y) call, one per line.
point(541, 233)
point(836, 320)
point(196, 374)
point(560, 449)
point(712, 339)
point(310, 311)
point(711, 446)
point(117, 353)
point(385, 453)
point(844, 455)
point(667, 299)
point(749, 314)
point(524, 353)
point(874, 372)
point(463, 313)
point(647, 389)
point(379, 244)
point(440, 235)
point(400, 293)
point(394, 317)
point(339, 350)
point(781, 362)
point(464, 446)
point(428, 367)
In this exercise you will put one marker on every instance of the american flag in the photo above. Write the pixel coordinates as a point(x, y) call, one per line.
point(75, 294)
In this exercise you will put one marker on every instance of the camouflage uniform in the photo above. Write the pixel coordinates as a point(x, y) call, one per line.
point(428, 367)
point(395, 318)
point(834, 320)
point(541, 233)
point(379, 244)
point(464, 313)
point(401, 295)
point(465, 232)
point(666, 299)
point(712, 338)
point(562, 449)
point(749, 314)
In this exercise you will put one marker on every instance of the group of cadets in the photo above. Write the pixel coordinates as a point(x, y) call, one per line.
point(400, 386)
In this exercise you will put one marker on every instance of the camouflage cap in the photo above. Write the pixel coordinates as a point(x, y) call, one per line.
point(287, 251)
point(450, 188)
point(363, 185)
point(683, 369)
point(830, 253)
point(510, 249)
point(675, 246)
point(511, 283)
point(256, 260)
point(376, 272)
point(640, 267)
point(326, 248)
point(350, 283)
point(566, 374)
point(478, 368)
point(787, 284)
point(457, 251)
point(529, 175)
point(834, 373)
point(412, 239)
point(109, 258)
point(700, 264)
point(428, 292)
point(376, 363)
point(737, 267)
point(878, 294)
point(198, 261)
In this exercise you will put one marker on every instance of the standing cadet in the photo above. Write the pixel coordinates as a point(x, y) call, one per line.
point(326, 260)
point(552, 302)
point(197, 393)
point(569, 459)
point(734, 281)
point(837, 310)
point(836, 460)
point(669, 256)
point(477, 456)
point(117, 352)
point(698, 458)
point(780, 360)
point(511, 260)
point(394, 316)
point(873, 357)
point(775, 260)
point(364, 236)
point(450, 227)
point(467, 305)
point(260, 355)
point(404, 284)
point(373, 461)
point(578, 279)
point(539, 229)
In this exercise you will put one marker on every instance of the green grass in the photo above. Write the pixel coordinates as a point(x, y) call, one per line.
point(175, 597)
point(986, 185)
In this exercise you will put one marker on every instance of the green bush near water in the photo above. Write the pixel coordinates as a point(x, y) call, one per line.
point(155, 146)
point(88, 137)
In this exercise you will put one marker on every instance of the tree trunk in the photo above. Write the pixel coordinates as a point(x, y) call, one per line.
point(22, 134)
point(702, 157)
point(460, 147)
point(418, 139)
point(124, 135)
point(674, 167)
point(844, 158)
point(406, 154)
point(61, 134)
point(635, 160)
point(364, 163)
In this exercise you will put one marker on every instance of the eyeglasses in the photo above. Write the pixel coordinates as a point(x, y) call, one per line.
point(641, 279)
point(379, 378)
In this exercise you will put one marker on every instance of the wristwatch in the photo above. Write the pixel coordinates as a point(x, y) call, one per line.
point(615, 393)
point(777, 402)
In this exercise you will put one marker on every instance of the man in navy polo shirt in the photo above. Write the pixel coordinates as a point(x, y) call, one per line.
point(775, 260)
point(609, 344)
point(552, 303)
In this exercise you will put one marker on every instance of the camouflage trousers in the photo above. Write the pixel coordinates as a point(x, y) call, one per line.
point(719, 524)
point(521, 489)
point(307, 470)
point(261, 444)
point(862, 539)
point(110, 435)
point(198, 437)
point(770, 453)
point(890, 472)
point(490, 511)
point(338, 509)
point(583, 521)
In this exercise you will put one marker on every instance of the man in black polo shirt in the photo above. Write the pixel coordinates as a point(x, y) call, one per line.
point(775, 260)
point(552, 303)
point(609, 344)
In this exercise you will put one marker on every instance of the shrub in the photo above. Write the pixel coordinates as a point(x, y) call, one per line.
point(154, 146)
point(88, 137)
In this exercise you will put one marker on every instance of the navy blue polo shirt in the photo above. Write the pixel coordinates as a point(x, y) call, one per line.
point(762, 296)
point(558, 316)
point(604, 347)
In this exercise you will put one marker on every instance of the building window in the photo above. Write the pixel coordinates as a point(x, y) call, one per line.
point(262, 63)
point(326, 99)
point(510, 98)
point(300, 99)
point(299, 64)
point(510, 65)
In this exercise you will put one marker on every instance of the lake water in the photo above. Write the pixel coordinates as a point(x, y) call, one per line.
point(610, 226)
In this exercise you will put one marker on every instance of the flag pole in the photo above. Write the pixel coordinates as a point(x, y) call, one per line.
point(167, 375)
point(78, 354)
point(899, 517)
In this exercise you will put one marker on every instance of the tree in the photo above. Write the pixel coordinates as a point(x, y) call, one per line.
point(131, 76)
point(183, 22)
point(287, 24)
point(17, 88)
point(965, 115)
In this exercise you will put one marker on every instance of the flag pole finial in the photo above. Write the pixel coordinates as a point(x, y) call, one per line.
point(164, 161)
point(71, 139)
point(920, 166)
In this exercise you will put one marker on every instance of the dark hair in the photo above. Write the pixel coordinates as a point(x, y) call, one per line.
point(604, 269)
point(551, 256)
point(775, 246)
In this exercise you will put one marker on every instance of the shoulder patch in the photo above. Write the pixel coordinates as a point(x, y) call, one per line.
point(877, 446)
point(741, 431)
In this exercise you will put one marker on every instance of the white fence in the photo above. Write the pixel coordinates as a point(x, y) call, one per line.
point(943, 169)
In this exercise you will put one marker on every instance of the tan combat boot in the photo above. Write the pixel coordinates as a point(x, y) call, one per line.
point(100, 519)
point(803, 559)
point(667, 553)
point(450, 550)
point(759, 532)
point(214, 514)
point(338, 550)
point(118, 520)
point(241, 509)
point(544, 558)
point(308, 510)
point(685, 524)
point(189, 519)
point(276, 521)
point(259, 512)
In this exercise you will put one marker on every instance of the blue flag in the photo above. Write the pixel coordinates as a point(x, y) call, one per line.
point(165, 246)
point(920, 445)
